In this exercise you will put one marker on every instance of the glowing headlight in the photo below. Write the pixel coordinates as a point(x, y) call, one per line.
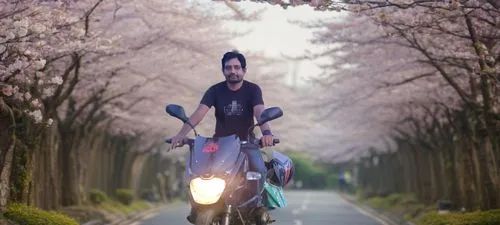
point(207, 191)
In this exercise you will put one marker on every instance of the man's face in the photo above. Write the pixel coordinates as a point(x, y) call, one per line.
point(233, 71)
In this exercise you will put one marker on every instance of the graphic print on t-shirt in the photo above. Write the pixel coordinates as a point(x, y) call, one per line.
point(233, 109)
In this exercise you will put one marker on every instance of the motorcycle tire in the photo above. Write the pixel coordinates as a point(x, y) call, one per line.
point(206, 217)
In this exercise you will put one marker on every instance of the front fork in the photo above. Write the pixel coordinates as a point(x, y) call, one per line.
point(227, 215)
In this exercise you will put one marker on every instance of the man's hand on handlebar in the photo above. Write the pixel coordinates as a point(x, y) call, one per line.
point(274, 141)
point(178, 141)
point(267, 140)
point(175, 141)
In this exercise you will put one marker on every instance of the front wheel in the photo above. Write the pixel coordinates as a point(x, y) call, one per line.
point(206, 217)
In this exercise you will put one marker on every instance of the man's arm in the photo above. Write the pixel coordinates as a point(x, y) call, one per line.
point(267, 136)
point(257, 110)
point(195, 119)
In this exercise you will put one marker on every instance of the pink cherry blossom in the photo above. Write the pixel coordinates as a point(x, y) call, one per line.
point(7, 90)
point(57, 80)
point(27, 96)
point(35, 103)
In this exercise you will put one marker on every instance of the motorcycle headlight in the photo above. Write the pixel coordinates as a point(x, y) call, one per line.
point(207, 191)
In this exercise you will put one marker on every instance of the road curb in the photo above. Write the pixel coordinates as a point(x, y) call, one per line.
point(380, 216)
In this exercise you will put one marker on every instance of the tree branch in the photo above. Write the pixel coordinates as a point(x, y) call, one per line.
point(87, 14)
point(72, 83)
point(494, 3)
point(409, 80)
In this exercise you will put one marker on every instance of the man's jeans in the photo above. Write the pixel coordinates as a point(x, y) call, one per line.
point(256, 164)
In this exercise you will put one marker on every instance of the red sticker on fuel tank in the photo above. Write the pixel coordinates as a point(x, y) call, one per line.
point(210, 147)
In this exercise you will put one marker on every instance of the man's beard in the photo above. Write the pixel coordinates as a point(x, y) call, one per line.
point(233, 81)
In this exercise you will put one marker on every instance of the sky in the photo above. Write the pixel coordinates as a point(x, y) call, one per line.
point(274, 34)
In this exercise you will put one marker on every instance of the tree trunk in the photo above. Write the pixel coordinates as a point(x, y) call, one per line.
point(451, 176)
point(28, 141)
point(444, 167)
point(82, 155)
point(404, 171)
point(21, 173)
point(118, 165)
point(462, 177)
point(413, 173)
point(409, 172)
point(7, 143)
point(5, 174)
point(433, 187)
point(46, 185)
point(126, 171)
point(111, 160)
point(486, 154)
point(421, 175)
point(137, 169)
point(488, 200)
point(472, 165)
point(68, 168)
point(492, 172)
point(473, 191)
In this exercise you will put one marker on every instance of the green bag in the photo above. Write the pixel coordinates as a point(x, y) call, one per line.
point(274, 197)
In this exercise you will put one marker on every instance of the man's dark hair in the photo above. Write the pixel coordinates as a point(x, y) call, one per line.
point(234, 54)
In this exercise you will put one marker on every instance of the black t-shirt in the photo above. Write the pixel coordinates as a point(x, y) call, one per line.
point(233, 109)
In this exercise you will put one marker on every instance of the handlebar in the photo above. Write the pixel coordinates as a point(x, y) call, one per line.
point(190, 142)
point(275, 141)
point(184, 141)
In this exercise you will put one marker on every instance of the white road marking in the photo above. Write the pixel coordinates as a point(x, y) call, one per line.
point(149, 216)
point(303, 206)
point(306, 201)
point(367, 214)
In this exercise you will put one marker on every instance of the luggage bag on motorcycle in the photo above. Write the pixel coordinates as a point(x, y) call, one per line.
point(274, 197)
point(280, 172)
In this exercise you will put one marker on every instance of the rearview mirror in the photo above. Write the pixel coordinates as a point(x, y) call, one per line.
point(177, 111)
point(269, 114)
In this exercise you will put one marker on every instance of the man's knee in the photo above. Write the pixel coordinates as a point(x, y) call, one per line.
point(256, 161)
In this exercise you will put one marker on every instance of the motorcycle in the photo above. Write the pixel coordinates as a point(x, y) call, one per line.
point(221, 188)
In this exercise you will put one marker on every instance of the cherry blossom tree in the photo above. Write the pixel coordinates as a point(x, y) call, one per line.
point(98, 88)
point(435, 55)
point(121, 92)
point(41, 45)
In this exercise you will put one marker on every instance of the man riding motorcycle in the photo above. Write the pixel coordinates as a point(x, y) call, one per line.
point(236, 103)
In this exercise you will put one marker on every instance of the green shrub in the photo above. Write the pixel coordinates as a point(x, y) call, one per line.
point(491, 217)
point(125, 196)
point(405, 204)
point(28, 215)
point(394, 198)
point(379, 202)
point(402, 199)
point(409, 199)
point(365, 193)
point(97, 196)
point(360, 194)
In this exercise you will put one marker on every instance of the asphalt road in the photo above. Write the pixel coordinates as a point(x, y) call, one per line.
point(304, 207)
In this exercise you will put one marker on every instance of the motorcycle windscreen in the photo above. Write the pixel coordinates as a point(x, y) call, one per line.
point(214, 156)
